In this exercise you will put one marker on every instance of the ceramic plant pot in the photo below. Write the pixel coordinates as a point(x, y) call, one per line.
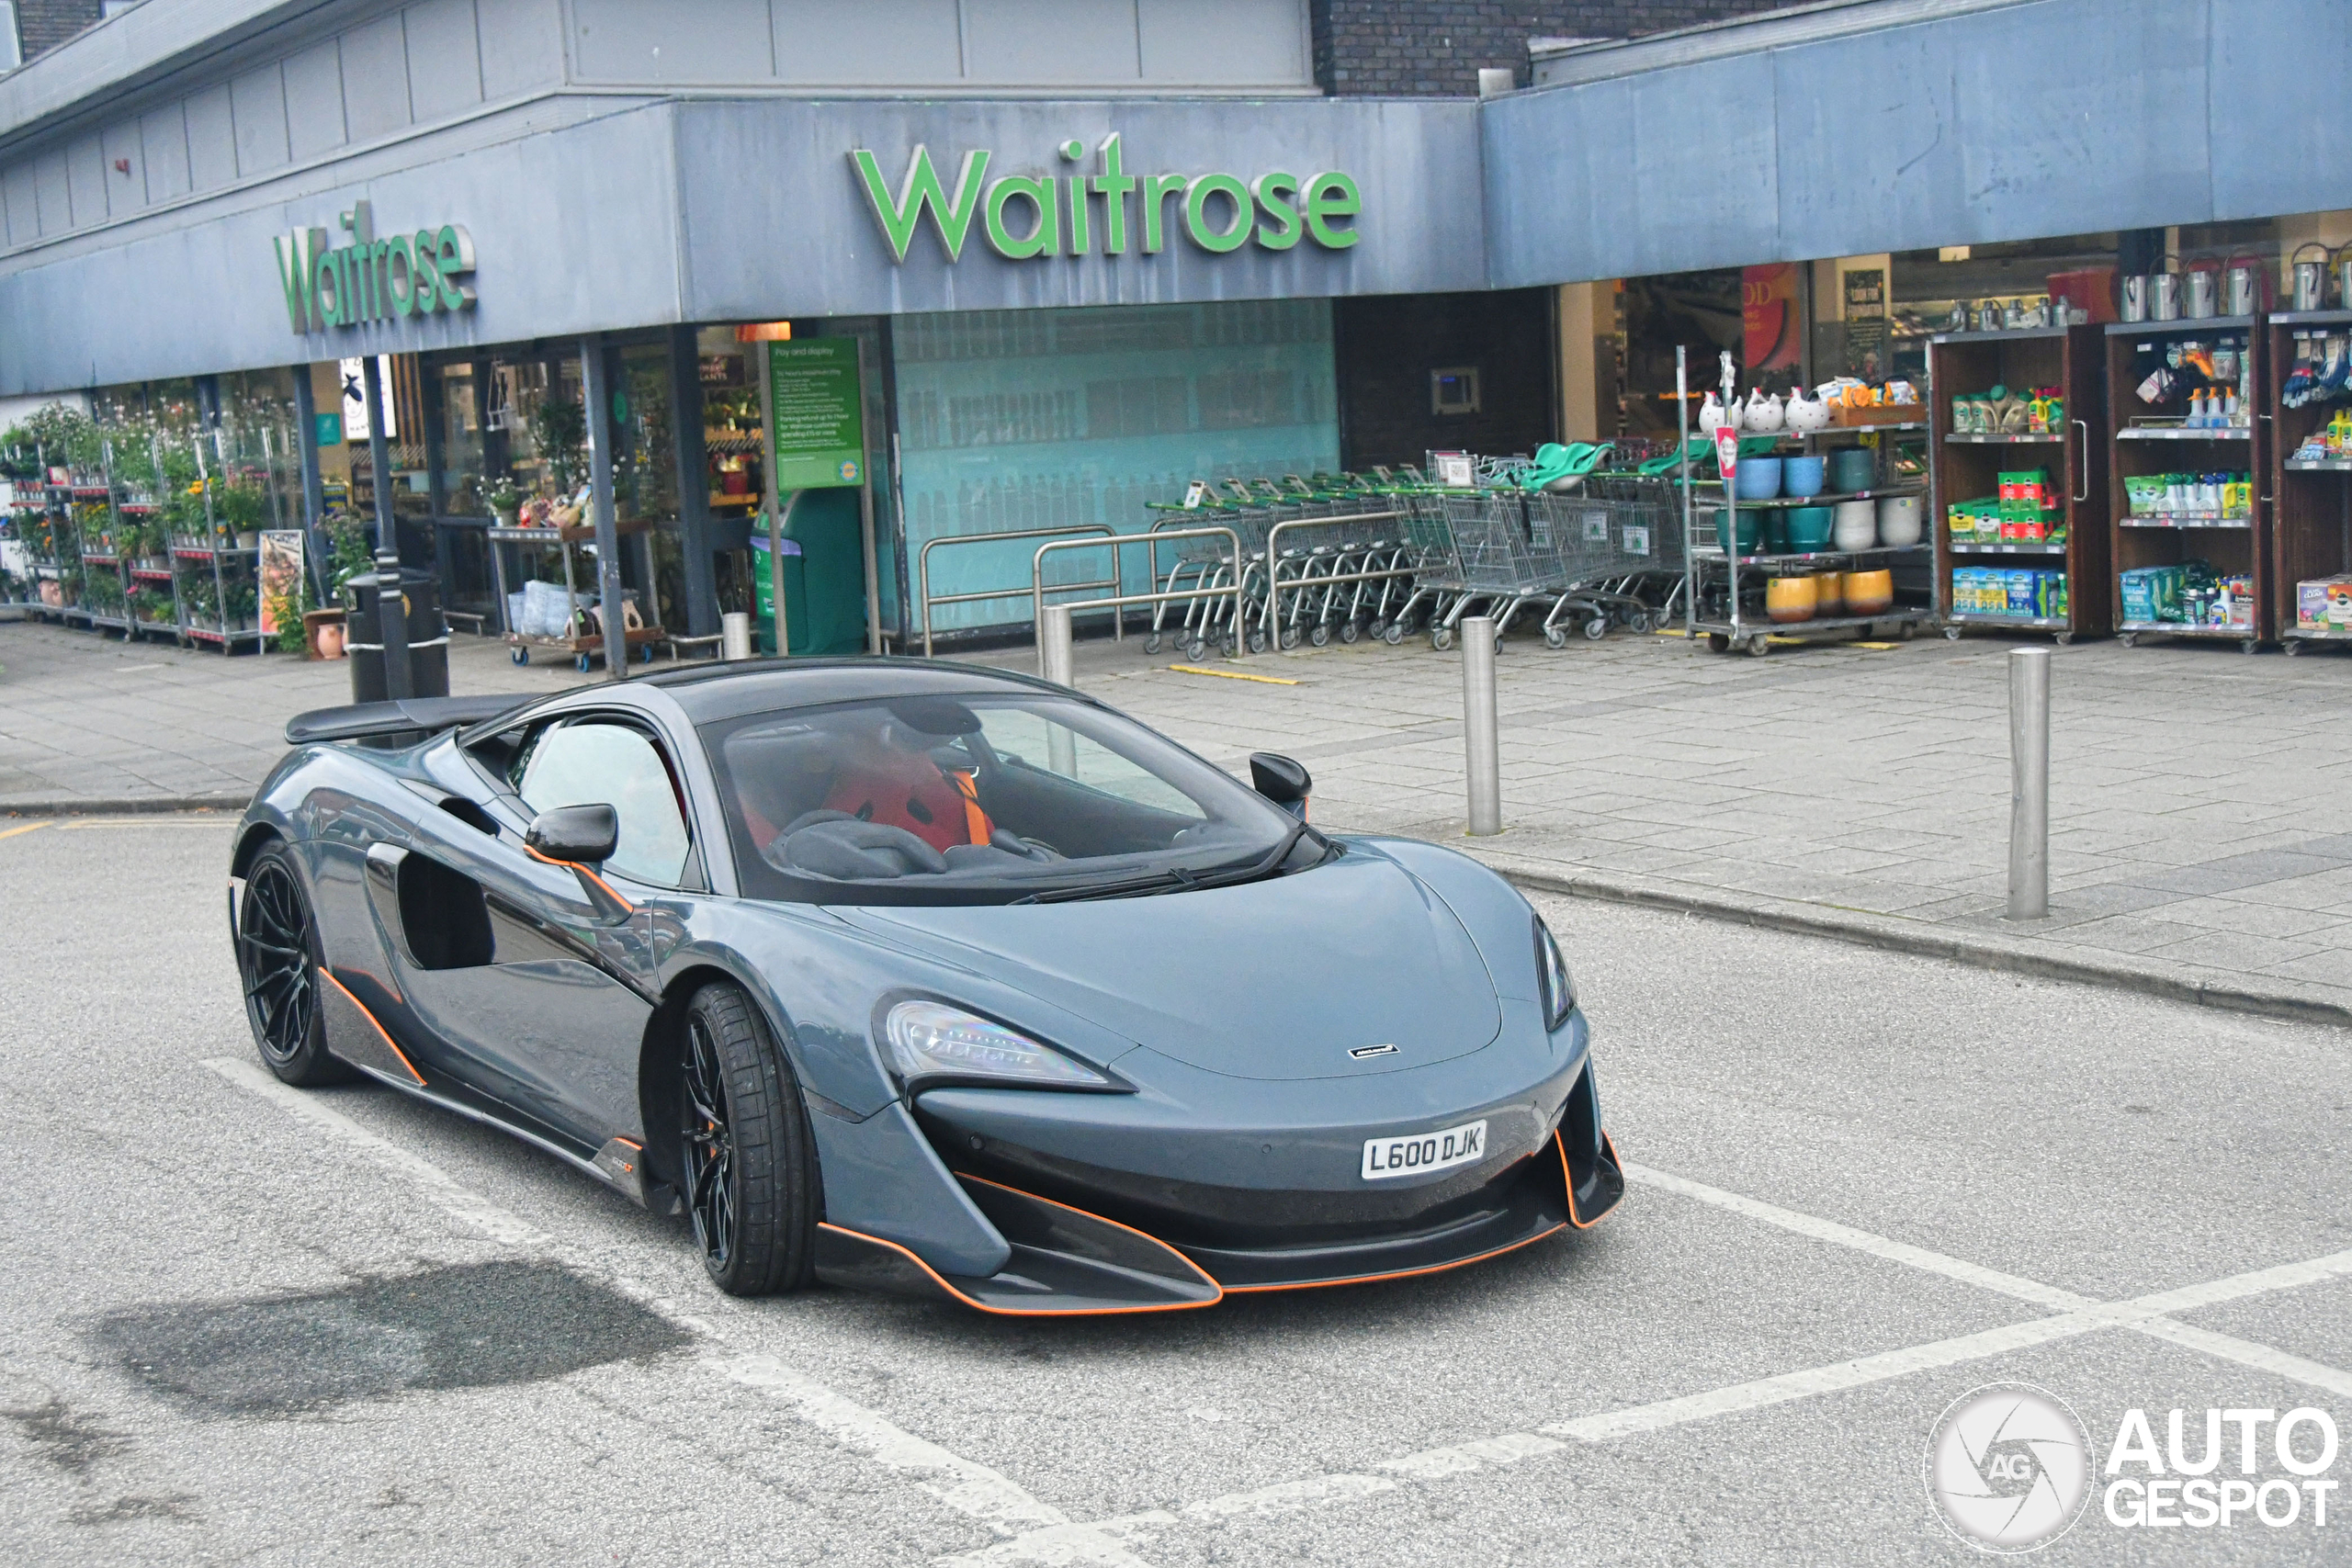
point(1852, 469)
point(1856, 526)
point(330, 640)
point(1828, 593)
point(1809, 528)
point(1870, 593)
point(1802, 414)
point(1803, 476)
point(1898, 521)
point(1759, 479)
point(1789, 599)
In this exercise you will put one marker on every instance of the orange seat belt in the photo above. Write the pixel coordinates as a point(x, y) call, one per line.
point(976, 821)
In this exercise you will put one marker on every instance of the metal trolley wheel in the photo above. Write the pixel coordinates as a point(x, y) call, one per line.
point(1441, 638)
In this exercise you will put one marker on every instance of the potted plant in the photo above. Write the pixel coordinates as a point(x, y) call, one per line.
point(238, 603)
point(506, 502)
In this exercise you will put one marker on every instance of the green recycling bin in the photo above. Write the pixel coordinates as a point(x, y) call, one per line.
point(824, 576)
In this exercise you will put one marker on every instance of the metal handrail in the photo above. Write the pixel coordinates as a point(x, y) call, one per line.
point(1038, 589)
point(922, 567)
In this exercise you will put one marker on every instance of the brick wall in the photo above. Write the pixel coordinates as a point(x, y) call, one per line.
point(1435, 48)
point(1389, 344)
point(42, 24)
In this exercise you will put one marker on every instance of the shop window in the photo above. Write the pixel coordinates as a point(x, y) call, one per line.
point(462, 455)
point(1011, 420)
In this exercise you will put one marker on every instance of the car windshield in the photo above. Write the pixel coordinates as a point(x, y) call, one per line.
point(984, 799)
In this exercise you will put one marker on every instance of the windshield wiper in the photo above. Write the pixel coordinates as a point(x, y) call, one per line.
point(1176, 879)
point(1170, 881)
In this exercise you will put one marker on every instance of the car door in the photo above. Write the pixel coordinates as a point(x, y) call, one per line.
point(542, 981)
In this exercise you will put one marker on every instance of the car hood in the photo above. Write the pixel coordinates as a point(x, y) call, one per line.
point(1278, 979)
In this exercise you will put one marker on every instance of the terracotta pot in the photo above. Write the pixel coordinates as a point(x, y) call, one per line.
point(1789, 599)
point(1870, 593)
point(1829, 592)
point(330, 640)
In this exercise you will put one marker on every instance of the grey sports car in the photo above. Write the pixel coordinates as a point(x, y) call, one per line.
point(925, 978)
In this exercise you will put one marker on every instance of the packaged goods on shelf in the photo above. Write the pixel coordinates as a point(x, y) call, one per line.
point(2151, 593)
point(2005, 519)
point(2324, 604)
point(2189, 594)
point(2017, 593)
point(2220, 494)
point(2000, 411)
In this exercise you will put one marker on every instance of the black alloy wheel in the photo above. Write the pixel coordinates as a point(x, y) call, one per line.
point(277, 962)
point(750, 1174)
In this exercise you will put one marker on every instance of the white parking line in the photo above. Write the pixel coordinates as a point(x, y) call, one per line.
point(970, 1488)
point(1049, 1536)
point(2075, 1315)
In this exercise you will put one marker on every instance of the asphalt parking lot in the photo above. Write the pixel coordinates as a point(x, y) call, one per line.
point(257, 1324)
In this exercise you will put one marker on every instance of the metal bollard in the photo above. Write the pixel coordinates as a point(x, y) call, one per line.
point(735, 634)
point(1054, 664)
point(1483, 761)
point(2029, 784)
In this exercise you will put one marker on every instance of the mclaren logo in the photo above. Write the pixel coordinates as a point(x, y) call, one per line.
point(1360, 1052)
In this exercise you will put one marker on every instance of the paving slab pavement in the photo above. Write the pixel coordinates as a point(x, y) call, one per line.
point(2199, 840)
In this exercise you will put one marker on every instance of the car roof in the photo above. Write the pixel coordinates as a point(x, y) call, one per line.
point(747, 686)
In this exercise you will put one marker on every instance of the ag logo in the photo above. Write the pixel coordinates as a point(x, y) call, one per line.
point(2008, 1467)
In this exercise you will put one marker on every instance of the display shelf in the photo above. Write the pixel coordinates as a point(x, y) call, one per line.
point(2232, 547)
point(2019, 622)
point(2185, 433)
point(152, 574)
point(1814, 558)
point(1967, 466)
point(2310, 505)
point(99, 558)
point(2313, 634)
point(1829, 499)
point(2183, 324)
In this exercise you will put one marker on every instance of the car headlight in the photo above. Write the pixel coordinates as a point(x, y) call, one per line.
point(932, 1043)
point(1557, 991)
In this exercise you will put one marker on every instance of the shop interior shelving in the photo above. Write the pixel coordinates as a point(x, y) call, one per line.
point(2311, 516)
point(1967, 465)
point(1723, 608)
point(2152, 439)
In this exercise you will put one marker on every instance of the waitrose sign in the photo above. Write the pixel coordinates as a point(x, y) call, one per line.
point(373, 279)
point(1105, 208)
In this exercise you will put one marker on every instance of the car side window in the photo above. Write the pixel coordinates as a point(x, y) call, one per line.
point(593, 762)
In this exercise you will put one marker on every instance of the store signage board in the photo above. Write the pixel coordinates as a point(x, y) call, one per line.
point(1078, 214)
point(1728, 454)
point(817, 414)
point(371, 280)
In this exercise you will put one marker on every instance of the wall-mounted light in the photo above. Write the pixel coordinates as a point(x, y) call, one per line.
point(763, 331)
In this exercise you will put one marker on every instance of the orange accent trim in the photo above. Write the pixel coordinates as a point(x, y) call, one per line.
point(977, 823)
point(379, 1028)
point(1568, 1179)
point(1014, 1312)
point(1206, 1278)
point(575, 866)
point(1400, 1274)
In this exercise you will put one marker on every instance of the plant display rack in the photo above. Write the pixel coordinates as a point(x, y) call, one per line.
point(2311, 517)
point(2138, 445)
point(1721, 607)
point(583, 651)
point(1966, 465)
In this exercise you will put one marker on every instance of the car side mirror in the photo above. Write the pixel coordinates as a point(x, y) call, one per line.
point(576, 835)
point(1282, 781)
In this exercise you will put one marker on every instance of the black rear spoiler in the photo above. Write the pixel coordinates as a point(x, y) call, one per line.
point(411, 715)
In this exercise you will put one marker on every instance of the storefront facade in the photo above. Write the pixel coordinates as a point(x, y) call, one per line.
point(1084, 258)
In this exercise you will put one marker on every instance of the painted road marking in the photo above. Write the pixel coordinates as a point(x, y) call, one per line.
point(1051, 1537)
point(1233, 675)
point(86, 824)
point(2075, 1315)
point(970, 1488)
point(28, 828)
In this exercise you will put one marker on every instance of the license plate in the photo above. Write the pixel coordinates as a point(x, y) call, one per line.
point(1423, 1152)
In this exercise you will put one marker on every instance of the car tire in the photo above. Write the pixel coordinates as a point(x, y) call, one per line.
point(278, 964)
point(749, 1159)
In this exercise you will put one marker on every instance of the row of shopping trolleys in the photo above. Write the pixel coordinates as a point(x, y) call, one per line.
point(1387, 555)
